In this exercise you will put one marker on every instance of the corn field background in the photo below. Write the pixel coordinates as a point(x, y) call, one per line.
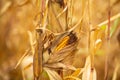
point(59, 39)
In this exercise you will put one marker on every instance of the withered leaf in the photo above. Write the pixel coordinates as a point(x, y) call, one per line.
point(88, 73)
point(52, 74)
point(59, 65)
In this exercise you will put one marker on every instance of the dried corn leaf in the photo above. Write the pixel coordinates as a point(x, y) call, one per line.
point(27, 62)
point(89, 73)
point(87, 69)
point(28, 66)
point(111, 19)
point(21, 59)
point(74, 75)
point(114, 26)
point(52, 74)
point(59, 65)
point(93, 75)
point(23, 75)
point(31, 42)
point(55, 65)
point(62, 12)
point(116, 70)
point(71, 78)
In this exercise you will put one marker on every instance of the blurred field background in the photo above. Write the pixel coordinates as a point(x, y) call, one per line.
point(17, 17)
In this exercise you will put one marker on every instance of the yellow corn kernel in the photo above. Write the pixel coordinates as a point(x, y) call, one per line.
point(62, 43)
